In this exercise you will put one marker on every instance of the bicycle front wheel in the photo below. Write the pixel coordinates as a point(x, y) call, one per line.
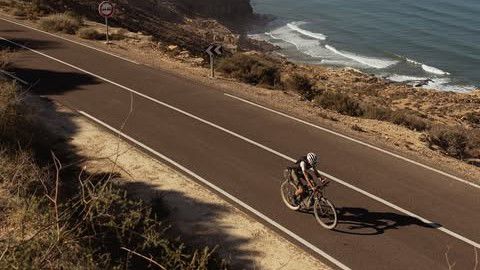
point(287, 190)
point(325, 213)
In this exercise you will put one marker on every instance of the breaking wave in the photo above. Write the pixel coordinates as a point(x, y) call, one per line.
point(293, 39)
point(434, 70)
point(369, 61)
point(295, 26)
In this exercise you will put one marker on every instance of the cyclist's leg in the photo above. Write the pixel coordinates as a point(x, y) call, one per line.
point(298, 183)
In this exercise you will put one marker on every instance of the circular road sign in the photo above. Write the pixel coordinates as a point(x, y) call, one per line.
point(106, 9)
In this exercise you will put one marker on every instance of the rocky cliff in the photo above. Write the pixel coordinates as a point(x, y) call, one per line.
point(190, 24)
point(224, 10)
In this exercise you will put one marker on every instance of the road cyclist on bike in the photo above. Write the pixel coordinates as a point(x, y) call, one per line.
point(299, 174)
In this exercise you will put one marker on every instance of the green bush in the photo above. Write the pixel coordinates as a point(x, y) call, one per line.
point(251, 69)
point(409, 120)
point(61, 22)
point(302, 85)
point(453, 140)
point(91, 34)
point(339, 102)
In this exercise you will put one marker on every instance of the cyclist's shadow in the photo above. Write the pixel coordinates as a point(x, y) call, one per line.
point(360, 221)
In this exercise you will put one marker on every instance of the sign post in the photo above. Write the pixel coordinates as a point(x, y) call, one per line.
point(106, 10)
point(213, 50)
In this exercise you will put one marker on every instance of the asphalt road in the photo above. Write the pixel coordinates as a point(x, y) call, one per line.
point(238, 148)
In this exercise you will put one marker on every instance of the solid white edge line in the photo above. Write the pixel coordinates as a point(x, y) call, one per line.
point(355, 140)
point(69, 40)
point(432, 224)
point(13, 77)
point(221, 191)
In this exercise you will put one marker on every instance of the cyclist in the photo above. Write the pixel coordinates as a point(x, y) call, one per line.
point(299, 174)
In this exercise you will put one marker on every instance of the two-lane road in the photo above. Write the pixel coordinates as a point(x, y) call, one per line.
point(241, 150)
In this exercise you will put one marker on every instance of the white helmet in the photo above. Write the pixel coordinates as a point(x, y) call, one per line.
point(312, 159)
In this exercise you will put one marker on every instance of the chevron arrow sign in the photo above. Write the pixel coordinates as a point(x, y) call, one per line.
point(213, 50)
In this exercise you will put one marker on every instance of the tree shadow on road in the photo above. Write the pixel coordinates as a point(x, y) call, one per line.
point(360, 221)
point(27, 42)
point(49, 82)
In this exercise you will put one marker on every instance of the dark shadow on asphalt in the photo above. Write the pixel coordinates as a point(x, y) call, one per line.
point(27, 42)
point(360, 221)
point(11, 31)
point(48, 82)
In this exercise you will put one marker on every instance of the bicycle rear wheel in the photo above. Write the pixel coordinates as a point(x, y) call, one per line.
point(325, 213)
point(287, 190)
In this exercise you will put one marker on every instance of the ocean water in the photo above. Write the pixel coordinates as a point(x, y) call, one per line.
point(403, 40)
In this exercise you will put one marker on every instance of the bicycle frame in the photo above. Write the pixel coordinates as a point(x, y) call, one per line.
point(314, 194)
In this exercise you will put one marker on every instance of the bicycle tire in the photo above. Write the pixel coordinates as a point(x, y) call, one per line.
point(288, 199)
point(327, 220)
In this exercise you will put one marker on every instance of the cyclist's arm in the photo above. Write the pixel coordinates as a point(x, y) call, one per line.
point(307, 175)
point(320, 176)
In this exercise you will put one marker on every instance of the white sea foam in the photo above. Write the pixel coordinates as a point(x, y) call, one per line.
point(311, 47)
point(295, 26)
point(434, 70)
point(405, 78)
point(314, 48)
point(413, 61)
point(369, 61)
point(443, 84)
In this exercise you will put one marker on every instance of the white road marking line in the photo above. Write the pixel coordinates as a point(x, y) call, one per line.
point(357, 141)
point(221, 191)
point(378, 199)
point(9, 74)
point(70, 40)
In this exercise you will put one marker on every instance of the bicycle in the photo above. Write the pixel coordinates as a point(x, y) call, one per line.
point(324, 211)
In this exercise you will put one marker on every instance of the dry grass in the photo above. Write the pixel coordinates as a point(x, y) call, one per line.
point(251, 69)
point(62, 22)
point(302, 85)
point(339, 102)
point(25, 9)
point(455, 141)
point(91, 34)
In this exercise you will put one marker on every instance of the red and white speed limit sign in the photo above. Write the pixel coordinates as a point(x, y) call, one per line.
point(106, 9)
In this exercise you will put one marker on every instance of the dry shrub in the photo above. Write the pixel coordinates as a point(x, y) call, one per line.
point(454, 141)
point(339, 102)
point(91, 34)
point(5, 58)
point(409, 120)
point(61, 22)
point(302, 85)
point(15, 119)
point(32, 9)
point(251, 69)
point(472, 118)
point(376, 112)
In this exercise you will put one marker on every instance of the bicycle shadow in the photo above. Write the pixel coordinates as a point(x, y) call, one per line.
point(360, 221)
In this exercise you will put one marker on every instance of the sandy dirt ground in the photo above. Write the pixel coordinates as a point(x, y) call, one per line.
point(196, 214)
